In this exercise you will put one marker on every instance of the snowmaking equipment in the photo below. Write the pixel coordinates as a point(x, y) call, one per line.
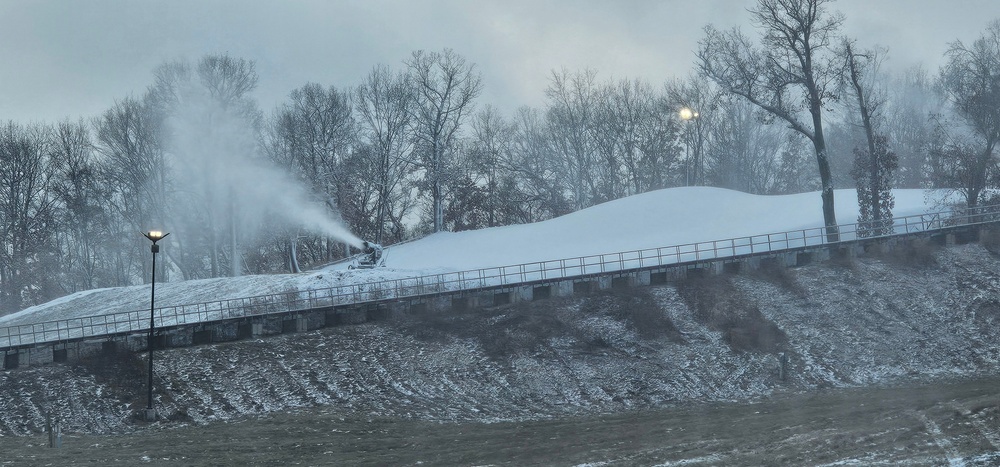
point(370, 257)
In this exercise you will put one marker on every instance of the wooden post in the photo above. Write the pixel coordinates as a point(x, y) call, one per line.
point(783, 366)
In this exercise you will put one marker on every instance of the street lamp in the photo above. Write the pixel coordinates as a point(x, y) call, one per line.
point(687, 114)
point(153, 236)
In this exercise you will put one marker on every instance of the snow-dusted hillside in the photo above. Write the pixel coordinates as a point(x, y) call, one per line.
point(928, 314)
point(661, 218)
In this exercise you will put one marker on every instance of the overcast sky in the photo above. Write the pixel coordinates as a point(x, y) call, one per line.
point(71, 58)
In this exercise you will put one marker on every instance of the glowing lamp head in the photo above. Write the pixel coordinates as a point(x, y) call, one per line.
point(688, 114)
point(155, 235)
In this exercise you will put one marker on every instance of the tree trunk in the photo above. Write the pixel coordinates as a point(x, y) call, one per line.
point(438, 207)
point(826, 179)
point(293, 260)
point(875, 201)
point(436, 192)
point(235, 266)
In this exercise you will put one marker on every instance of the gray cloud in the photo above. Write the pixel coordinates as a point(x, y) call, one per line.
point(65, 58)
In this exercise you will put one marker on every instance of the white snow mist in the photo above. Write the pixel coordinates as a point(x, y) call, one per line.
point(235, 191)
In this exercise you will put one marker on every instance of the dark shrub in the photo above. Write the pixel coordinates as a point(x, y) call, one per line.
point(720, 306)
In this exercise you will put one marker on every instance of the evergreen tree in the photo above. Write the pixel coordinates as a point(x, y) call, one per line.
point(873, 175)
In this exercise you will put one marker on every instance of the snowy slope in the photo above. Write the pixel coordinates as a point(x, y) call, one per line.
point(656, 219)
point(660, 218)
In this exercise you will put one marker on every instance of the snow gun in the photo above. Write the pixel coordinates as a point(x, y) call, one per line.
point(370, 256)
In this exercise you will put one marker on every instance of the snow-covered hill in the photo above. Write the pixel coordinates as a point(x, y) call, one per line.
point(674, 216)
point(656, 219)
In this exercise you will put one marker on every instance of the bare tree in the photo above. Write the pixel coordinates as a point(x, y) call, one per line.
point(742, 153)
point(873, 165)
point(957, 162)
point(659, 156)
point(971, 82)
point(788, 77)
point(911, 102)
point(537, 168)
point(570, 123)
point(626, 120)
point(27, 212)
point(491, 192)
point(385, 107)
point(612, 127)
point(83, 219)
point(446, 86)
point(133, 164)
point(311, 135)
point(229, 81)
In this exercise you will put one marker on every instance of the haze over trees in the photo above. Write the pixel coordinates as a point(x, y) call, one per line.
point(411, 149)
point(971, 84)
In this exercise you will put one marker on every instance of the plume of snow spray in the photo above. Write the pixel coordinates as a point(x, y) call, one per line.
point(280, 196)
point(217, 162)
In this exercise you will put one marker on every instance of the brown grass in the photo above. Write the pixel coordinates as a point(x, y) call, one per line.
point(502, 332)
point(720, 306)
point(120, 371)
point(917, 253)
point(780, 276)
point(525, 328)
point(635, 307)
point(990, 239)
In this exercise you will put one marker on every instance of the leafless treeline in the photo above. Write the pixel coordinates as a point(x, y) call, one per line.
point(409, 150)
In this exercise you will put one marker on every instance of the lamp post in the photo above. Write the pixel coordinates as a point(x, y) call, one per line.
point(687, 114)
point(153, 236)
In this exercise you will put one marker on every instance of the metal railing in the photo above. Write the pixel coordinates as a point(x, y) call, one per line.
point(137, 321)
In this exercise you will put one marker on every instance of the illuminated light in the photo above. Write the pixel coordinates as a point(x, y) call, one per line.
point(688, 114)
point(154, 235)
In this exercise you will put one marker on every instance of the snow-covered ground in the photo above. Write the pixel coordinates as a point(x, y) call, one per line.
point(662, 218)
